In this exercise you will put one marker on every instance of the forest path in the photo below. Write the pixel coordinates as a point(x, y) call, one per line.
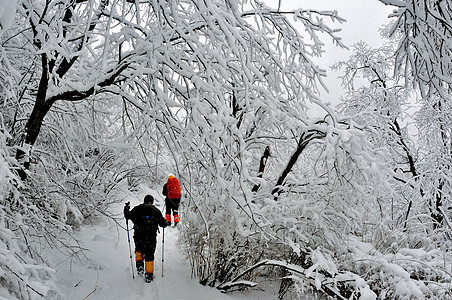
point(105, 271)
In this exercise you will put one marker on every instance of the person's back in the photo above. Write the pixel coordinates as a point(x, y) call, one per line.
point(172, 192)
point(146, 218)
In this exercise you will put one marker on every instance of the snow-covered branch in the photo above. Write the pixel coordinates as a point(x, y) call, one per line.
point(424, 31)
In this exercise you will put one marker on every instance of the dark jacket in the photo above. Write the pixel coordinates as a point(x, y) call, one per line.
point(146, 218)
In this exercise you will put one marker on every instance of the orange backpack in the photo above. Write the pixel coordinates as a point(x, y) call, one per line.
point(173, 187)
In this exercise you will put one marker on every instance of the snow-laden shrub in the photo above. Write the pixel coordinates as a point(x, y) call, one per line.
point(82, 188)
point(307, 234)
point(304, 226)
point(216, 248)
point(23, 274)
point(403, 273)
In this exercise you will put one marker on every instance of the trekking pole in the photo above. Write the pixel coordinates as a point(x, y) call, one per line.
point(163, 243)
point(130, 249)
point(163, 248)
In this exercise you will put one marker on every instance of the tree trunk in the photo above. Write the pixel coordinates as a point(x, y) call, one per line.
point(34, 123)
point(262, 167)
point(42, 105)
point(436, 214)
point(306, 138)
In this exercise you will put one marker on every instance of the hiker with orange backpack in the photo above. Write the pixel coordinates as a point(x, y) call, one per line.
point(172, 193)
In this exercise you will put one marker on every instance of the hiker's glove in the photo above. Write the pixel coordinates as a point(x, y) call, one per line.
point(126, 209)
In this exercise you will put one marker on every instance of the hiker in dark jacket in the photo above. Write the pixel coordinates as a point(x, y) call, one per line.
point(146, 218)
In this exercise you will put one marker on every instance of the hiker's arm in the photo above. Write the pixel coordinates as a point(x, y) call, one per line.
point(162, 221)
point(165, 191)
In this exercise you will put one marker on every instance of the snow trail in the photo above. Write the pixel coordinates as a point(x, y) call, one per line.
point(105, 271)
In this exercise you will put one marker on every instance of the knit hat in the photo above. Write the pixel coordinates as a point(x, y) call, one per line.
point(148, 199)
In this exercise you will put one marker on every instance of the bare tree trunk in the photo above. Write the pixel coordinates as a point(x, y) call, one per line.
point(306, 138)
point(42, 105)
point(262, 167)
point(34, 123)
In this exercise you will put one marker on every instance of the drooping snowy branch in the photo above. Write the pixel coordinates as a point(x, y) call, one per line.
point(424, 31)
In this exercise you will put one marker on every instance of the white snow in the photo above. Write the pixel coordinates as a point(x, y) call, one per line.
point(7, 12)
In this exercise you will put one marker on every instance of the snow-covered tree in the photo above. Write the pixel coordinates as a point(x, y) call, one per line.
point(434, 122)
point(214, 83)
point(102, 92)
point(423, 52)
point(381, 104)
point(424, 56)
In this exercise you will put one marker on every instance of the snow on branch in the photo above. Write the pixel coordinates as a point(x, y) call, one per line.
point(76, 92)
point(321, 282)
point(424, 31)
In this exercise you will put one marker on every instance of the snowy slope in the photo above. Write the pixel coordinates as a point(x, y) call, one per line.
point(105, 272)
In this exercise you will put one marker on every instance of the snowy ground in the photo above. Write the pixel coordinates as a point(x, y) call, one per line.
point(105, 272)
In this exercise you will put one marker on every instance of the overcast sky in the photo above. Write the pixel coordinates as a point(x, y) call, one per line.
point(363, 20)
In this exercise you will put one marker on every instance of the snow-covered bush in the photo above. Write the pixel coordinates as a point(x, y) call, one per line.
point(423, 272)
point(311, 216)
point(23, 274)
